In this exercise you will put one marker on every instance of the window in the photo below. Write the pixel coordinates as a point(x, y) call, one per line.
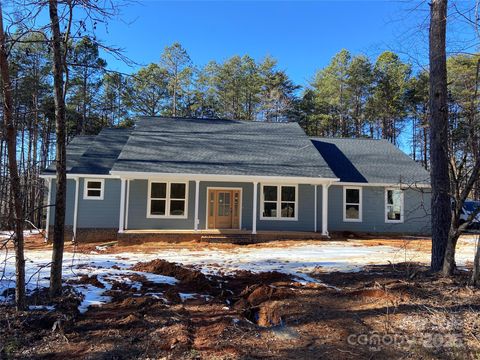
point(352, 204)
point(167, 200)
point(93, 189)
point(393, 205)
point(279, 202)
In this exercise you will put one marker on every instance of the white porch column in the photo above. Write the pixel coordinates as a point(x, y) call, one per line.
point(315, 205)
point(325, 209)
point(197, 197)
point(254, 220)
point(49, 199)
point(75, 210)
point(127, 203)
point(121, 220)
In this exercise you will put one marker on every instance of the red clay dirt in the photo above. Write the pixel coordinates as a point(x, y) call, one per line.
point(190, 278)
point(256, 316)
point(273, 318)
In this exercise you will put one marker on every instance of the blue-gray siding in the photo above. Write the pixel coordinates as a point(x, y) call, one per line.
point(91, 213)
point(105, 213)
point(416, 212)
point(137, 209)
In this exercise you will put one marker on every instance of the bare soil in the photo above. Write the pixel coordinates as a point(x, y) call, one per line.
point(397, 311)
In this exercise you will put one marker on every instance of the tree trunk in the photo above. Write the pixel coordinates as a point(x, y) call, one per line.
point(475, 280)
point(61, 178)
point(11, 135)
point(449, 264)
point(440, 179)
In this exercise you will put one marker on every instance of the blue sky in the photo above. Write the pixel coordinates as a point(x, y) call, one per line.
point(302, 36)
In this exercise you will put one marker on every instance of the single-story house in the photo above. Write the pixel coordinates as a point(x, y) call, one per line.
point(209, 176)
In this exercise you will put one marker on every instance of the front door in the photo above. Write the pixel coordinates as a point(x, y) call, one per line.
point(223, 209)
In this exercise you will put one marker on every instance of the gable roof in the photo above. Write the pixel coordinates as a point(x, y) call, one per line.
point(370, 161)
point(232, 147)
point(220, 147)
point(94, 154)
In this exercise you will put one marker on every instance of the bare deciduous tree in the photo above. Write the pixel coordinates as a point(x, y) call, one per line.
point(440, 180)
point(61, 178)
point(11, 135)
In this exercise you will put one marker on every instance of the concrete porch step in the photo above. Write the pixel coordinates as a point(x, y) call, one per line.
point(238, 239)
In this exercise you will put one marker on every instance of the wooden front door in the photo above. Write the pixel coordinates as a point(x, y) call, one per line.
point(223, 209)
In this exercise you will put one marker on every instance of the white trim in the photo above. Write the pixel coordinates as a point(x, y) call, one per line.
point(255, 205)
point(227, 178)
point(279, 202)
point(197, 201)
point(325, 209)
point(47, 225)
point(75, 209)
point(402, 209)
point(121, 219)
point(315, 199)
point(239, 205)
point(400, 185)
point(85, 189)
point(360, 203)
point(167, 199)
point(127, 202)
point(89, 176)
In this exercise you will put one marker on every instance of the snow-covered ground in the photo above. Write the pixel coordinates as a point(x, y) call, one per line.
point(297, 260)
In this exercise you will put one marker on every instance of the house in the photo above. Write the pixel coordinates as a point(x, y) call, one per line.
point(194, 177)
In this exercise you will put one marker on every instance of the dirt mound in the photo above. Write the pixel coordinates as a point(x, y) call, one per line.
point(135, 302)
point(88, 280)
point(262, 304)
point(271, 314)
point(257, 294)
point(190, 278)
point(264, 293)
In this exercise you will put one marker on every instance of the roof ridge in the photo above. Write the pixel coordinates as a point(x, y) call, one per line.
point(144, 117)
point(345, 138)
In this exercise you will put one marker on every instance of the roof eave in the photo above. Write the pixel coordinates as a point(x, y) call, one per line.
point(223, 177)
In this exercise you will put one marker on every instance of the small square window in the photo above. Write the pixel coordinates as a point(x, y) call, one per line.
point(93, 189)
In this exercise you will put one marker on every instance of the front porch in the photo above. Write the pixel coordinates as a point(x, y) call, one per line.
point(214, 206)
point(214, 236)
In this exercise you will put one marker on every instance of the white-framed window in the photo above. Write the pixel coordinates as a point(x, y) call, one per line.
point(394, 205)
point(167, 199)
point(279, 202)
point(93, 189)
point(352, 204)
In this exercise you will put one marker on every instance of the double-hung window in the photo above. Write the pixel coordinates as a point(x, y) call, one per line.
point(279, 202)
point(394, 205)
point(93, 189)
point(352, 204)
point(167, 199)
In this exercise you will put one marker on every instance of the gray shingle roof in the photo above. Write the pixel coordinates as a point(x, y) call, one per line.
point(230, 147)
point(224, 147)
point(370, 161)
point(94, 154)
